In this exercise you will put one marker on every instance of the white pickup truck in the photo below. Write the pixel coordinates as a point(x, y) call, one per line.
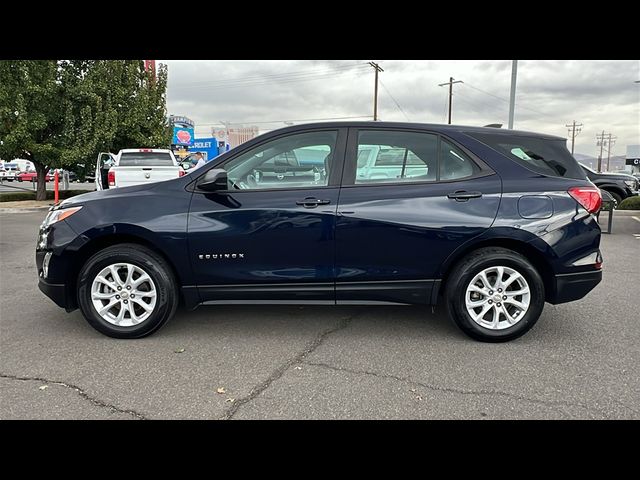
point(133, 166)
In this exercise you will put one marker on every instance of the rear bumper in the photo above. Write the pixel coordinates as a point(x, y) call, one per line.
point(573, 286)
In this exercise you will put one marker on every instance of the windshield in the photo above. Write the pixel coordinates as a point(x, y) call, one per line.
point(145, 159)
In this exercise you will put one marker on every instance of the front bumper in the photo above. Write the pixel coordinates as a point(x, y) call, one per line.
point(573, 286)
point(56, 292)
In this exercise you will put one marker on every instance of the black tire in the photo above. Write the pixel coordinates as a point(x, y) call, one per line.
point(464, 272)
point(617, 198)
point(154, 265)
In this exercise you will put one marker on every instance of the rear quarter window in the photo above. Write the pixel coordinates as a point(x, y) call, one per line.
point(545, 156)
point(145, 159)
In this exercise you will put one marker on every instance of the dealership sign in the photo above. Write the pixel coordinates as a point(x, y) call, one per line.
point(182, 136)
point(181, 121)
point(633, 161)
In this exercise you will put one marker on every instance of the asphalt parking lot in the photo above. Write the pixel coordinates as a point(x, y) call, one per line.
point(579, 362)
point(15, 186)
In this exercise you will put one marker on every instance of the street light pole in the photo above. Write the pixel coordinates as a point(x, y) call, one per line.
point(512, 97)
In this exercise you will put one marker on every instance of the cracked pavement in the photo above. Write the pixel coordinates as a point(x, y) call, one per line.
point(579, 361)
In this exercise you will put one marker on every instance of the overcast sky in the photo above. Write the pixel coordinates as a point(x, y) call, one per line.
point(600, 94)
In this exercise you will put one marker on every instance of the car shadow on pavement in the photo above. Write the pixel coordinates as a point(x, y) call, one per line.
point(410, 320)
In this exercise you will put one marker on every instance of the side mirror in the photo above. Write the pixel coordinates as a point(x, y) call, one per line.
point(214, 180)
point(185, 165)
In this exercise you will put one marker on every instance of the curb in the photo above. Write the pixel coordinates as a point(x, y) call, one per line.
point(23, 210)
point(626, 213)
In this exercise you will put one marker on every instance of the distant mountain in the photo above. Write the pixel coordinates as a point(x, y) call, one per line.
point(580, 157)
point(616, 163)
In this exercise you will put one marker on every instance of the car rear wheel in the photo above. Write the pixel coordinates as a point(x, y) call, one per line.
point(494, 295)
point(127, 291)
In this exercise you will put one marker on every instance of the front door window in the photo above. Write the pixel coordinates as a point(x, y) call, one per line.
point(303, 160)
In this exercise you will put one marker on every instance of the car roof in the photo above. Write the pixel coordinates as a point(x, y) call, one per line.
point(443, 128)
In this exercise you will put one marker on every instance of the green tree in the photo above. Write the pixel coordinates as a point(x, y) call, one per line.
point(30, 114)
point(61, 113)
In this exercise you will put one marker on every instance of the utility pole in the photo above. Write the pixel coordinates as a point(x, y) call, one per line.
point(600, 141)
point(574, 133)
point(450, 83)
point(377, 69)
point(612, 141)
point(512, 97)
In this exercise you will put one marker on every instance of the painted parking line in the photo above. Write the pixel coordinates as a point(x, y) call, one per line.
point(637, 235)
point(637, 219)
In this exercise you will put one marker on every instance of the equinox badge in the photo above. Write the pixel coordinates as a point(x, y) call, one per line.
point(220, 256)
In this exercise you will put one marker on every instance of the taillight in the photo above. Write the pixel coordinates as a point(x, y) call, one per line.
point(112, 179)
point(181, 173)
point(589, 197)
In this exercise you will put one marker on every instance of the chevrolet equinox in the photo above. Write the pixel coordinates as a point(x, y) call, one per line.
point(489, 223)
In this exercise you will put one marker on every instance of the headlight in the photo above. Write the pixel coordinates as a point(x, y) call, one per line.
point(56, 216)
point(631, 184)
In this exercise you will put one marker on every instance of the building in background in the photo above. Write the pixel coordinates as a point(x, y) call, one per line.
point(632, 158)
point(235, 135)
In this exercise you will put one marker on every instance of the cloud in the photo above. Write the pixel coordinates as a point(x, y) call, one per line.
point(600, 94)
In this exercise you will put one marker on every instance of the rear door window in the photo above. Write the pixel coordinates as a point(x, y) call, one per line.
point(454, 164)
point(546, 156)
point(394, 156)
point(145, 159)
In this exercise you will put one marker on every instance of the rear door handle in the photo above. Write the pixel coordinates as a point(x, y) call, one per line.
point(463, 195)
point(312, 202)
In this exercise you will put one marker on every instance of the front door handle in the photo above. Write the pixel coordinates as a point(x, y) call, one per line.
point(463, 195)
point(312, 202)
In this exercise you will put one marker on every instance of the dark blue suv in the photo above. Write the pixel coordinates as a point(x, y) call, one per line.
point(490, 223)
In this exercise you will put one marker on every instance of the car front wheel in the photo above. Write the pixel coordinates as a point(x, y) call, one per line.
point(127, 291)
point(616, 197)
point(494, 295)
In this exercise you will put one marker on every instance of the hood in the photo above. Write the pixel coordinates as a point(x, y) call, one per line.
point(621, 176)
point(105, 194)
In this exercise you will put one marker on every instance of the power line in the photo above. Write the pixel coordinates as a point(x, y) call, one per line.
point(283, 121)
point(395, 101)
point(480, 104)
point(450, 83)
point(601, 141)
point(263, 81)
point(476, 108)
point(507, 100)
point(272, 75)
point(275, 81)
point(270, 81)
point(574, 130)
point(444, 113)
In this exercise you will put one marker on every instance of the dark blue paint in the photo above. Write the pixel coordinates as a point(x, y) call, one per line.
point(402, 232)
point(375, 242)
point(281, 241)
